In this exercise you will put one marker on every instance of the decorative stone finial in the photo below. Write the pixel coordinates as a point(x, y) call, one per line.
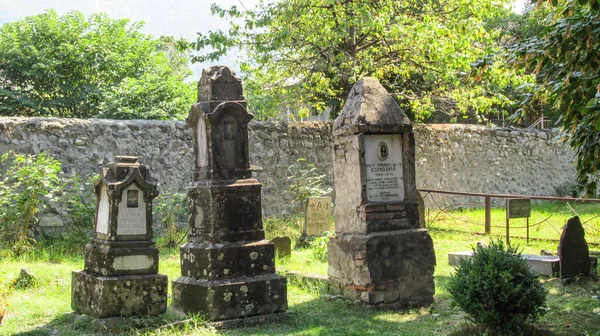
point(218, 82)
point(370, 109)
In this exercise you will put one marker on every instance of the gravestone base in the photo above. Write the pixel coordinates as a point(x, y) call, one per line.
point(111, 296)
point(116, 258)
point(225, 210)
point(231, 298)
point(393, 268)
point(227, 260)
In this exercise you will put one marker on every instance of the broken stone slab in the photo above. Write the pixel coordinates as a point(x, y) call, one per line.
point(543, 265)
point(26, 279)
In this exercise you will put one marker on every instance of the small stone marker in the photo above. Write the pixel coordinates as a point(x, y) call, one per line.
point(573, 251)
point(380, 254)
point(227, 266)
point(283, 246)
point(121, 277)
point(318, 216)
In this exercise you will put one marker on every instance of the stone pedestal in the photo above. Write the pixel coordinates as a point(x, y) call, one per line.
point(380, 254)
point(121, 277)
point(227, 266)
point(125, 295)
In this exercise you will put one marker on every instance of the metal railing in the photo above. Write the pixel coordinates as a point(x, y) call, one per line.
point(541, 123)
point(488, 205)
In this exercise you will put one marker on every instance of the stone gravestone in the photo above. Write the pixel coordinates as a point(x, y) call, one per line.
point(318, 216)
point(227, 266)
point(121, 277)
point(283, 246)
point(573, 251)
point(380, 254)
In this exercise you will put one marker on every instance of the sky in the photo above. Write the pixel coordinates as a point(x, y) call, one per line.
point(178, 18)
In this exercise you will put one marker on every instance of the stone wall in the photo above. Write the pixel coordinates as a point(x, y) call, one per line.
point(473, 158)
point(166, 147)
point(449, 157)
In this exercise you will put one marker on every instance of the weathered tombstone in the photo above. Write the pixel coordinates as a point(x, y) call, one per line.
point(121, 277)
point(283, 246)
point(317, 217)
point(573, 251)
point(380, 254)
point(227, 266)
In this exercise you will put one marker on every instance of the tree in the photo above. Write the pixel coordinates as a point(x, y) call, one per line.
point(67, 66)
point(311, 52)
point(565, 57)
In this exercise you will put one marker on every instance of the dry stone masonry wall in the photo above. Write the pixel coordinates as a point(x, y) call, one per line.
point(473, 158)
point(449, 157)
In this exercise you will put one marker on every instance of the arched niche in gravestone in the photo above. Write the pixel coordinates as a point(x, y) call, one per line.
point(230, 136)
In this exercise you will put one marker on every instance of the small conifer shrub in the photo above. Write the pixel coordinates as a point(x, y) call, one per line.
point(497, 289)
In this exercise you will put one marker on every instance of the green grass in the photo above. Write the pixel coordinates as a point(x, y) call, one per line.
point(45, 309)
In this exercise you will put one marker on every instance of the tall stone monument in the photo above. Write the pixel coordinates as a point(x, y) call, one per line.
point(121, 277)
point(380, 254)
point(227, 266)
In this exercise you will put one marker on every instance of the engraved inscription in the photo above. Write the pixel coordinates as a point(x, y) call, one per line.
point(131, 221)
point(102, 217)
point(383, 156)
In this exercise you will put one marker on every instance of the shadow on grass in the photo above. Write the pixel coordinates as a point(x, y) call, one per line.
point(314, 313)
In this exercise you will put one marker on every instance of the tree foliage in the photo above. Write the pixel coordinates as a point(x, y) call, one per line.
point(565, 57)
point(312, 52)
point(70, 66)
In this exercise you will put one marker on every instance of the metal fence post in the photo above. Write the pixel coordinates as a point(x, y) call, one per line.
point(488, 215)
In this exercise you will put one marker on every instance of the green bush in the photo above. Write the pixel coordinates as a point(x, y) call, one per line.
point(319, 246)
point(27, 183)
point(305, 182)
point(170, 208)
point(497, 289)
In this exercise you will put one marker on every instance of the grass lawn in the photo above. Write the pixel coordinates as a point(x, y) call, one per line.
point(44, 309)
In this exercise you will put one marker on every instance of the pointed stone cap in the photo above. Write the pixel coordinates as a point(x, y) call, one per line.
point(219, 82)
point(370, 109)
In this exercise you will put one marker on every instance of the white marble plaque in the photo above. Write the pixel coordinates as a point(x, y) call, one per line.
point(202, 145)
point(102, 216)
point(383, 156)
point(132, 212)
point(132, 262)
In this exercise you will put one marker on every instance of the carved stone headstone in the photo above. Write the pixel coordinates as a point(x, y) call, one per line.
point(227, 266)
point(121, 277)
point(283, 246)
point(317, 217)
point(573, 251)
point(380, 254)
